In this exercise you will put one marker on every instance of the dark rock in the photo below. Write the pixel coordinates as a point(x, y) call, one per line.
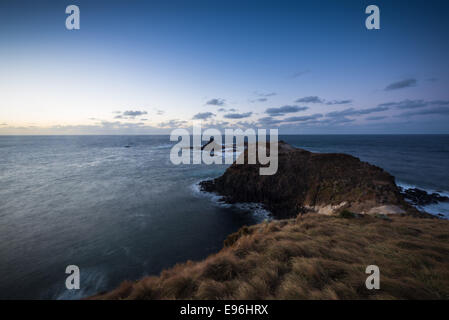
point(210, 141)
point(347, 214)
point(383, 217)
point(317, 182)
point(421, 198)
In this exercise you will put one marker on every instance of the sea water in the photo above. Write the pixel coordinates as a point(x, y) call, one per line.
point(116, 206)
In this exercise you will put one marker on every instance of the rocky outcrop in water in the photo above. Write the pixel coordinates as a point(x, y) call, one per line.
point(312, 182)
point(211, 140)
point(420, 197)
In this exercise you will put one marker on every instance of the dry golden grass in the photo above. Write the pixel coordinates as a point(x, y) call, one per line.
point(312, 257)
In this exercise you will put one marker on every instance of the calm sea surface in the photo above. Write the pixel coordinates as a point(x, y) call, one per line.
point(122, 213)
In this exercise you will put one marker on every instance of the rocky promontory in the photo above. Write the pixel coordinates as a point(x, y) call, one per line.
point(314, 256)
point(325, 183)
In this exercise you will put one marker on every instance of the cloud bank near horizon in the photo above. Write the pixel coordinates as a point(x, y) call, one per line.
point(150, 78)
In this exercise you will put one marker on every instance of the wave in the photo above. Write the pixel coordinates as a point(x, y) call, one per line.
point(440, 209)
point(257, 209)
point(92, 281)
point(163, 146)
point(411, 186)
point(212, 196)
point(437, 209)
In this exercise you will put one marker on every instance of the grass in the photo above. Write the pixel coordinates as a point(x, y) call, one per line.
point(312, 257)
point(347, 214)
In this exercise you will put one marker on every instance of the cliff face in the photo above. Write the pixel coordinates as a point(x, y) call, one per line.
point(312, 182)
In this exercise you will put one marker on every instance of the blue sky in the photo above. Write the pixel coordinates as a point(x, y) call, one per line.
point(143, 67)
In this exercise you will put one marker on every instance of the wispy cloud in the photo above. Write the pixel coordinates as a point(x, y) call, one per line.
point(216, 102)
point(238, 115)
point(227, 110)
point(263, 96)
point(299, 74)
point(259, 100)
point(174, 123)
point(401, 84)
point(284, 109)
point(269, 121)
point(220, 123)
point(333, 102)
point(270, 94)
point(316, 99)
point(203, 115)
point(310, 99)
point(303, 118)
point(102, 127)
point(131, 113)
point(339, 120)
point(355, 112)
point(413, 104)
point(376, 118)
point(444, 111)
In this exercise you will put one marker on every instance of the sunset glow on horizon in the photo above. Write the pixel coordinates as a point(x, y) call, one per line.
point(303, 68)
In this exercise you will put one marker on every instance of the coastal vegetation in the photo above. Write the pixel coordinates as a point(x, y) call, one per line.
point(336, 216)
point(312, 257)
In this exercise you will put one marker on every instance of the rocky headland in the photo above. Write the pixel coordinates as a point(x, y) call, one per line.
point(313, 256)
point(307, 182)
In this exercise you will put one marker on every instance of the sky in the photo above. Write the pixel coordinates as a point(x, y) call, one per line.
point(148, 67)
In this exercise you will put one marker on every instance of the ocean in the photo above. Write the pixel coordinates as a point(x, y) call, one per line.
point(116, 206)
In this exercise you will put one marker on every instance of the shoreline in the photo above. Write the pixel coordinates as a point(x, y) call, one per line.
point(219, 276)
point(292, 259)
point(221, 201)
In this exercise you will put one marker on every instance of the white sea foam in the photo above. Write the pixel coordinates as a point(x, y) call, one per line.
point(435, 209)
point(410, 186)
point(256, 209)
point(163, 146)
point(92, 281)
point(212, 196)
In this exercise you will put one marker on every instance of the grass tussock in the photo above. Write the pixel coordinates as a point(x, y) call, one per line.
point(312, 257)
point(347, 214)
